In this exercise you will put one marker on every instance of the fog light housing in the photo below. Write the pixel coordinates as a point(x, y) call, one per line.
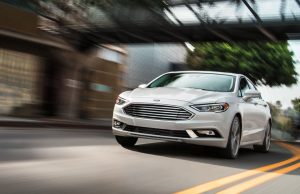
point(117, 124)
point(207, 133)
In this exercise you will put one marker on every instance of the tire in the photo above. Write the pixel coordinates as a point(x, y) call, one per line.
point(265, 147)
point(233, 145)
point(126, 141)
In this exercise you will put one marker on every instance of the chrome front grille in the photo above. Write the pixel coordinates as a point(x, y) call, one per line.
point(157, 111)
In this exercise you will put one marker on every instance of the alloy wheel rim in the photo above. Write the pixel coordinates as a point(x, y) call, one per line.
point(268, 138)
point(235, 138)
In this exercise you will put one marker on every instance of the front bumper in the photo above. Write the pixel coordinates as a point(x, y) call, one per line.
point(219, 122)
point(214, 142)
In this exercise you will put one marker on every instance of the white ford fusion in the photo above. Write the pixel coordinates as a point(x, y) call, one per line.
point(206, 108)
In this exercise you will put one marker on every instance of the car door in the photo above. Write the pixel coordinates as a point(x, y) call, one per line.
point(260, 116)
point(248, 111)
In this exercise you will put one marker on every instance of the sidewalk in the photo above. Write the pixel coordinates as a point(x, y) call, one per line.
point(51, 122)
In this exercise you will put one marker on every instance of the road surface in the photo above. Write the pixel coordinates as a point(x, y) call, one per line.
point(65, 161)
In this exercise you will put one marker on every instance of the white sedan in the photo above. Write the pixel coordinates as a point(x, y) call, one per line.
point(206, 108)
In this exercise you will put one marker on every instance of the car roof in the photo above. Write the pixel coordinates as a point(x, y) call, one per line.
point(212, 72)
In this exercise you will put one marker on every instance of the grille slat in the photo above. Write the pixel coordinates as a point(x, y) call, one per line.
point(155, 117)
point(160, 113)
point(161, 132)
point(157, 106)
point(157, 111)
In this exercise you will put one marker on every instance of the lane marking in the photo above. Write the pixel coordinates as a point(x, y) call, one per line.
point(230, 179)
point(263, 178)
point(293, 149)
point(259, 180)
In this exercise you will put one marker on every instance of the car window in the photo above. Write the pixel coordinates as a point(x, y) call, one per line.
point(203, 81)
point(243, 87)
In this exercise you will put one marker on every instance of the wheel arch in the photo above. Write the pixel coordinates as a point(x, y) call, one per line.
point(239, 115)
point(270, 122)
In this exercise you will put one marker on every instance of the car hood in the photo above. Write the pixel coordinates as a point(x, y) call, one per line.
point(182, 94)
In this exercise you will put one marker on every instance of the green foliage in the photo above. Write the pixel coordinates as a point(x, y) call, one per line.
point(274, 110)
point(281, 121)
point(263, 62)
point(296, 104)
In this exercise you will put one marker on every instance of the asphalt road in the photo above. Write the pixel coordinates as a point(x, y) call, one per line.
point(63, 161)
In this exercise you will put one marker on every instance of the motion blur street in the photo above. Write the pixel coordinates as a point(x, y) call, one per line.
point(75, 72)
point(55, 160)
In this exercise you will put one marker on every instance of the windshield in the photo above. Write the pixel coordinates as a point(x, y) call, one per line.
point(203, 81)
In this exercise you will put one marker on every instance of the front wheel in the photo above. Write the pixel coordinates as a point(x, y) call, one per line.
point(126, 141)
point(233, 145)
point(265, 147)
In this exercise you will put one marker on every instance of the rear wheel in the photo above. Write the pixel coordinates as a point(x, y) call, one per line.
point(126, 141)
point(233, 145)
point(265, 147)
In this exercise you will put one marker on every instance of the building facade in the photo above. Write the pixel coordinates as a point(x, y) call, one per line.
point(102, 83)
point(147, 61)
point(35, 83)
point(21, 62)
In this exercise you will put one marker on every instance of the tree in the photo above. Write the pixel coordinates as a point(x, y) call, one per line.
point(296, 104)
point(263, 62)
point(274, 110)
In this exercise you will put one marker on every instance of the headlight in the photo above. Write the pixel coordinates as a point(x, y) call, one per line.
point(120, 101)
point(218, 107)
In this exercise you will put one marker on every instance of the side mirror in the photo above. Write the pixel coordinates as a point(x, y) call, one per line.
point(251, 94)
point(143, 86)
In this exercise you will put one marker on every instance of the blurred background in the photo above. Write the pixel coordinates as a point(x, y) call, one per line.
point(69, 60)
